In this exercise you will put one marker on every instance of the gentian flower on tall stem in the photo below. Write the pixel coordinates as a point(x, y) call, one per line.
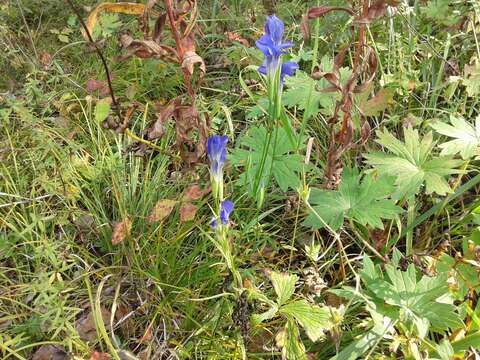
point(273, 48)
point(217, 154)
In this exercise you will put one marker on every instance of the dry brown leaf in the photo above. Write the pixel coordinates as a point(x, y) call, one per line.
point(194, 192)
point(121, 230)
point(157, 130)
point(319, 11)
point(50, 352)
point(86, 325)
point(94, 85)
point(45, 59)
point(122, 7)
point(187, 212)
point(378, 103)
point(161, 210)
point(190, 60)
point(145, 49)
point(96, 355)
point(233, 36)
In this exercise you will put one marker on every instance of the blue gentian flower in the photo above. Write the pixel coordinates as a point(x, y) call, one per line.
point(273, 47)
point(226, 208)
point(217, 153)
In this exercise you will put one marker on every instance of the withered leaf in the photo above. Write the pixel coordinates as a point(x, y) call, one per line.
point(121, 230)
point(164, 113)
point(121, 7)
point(161, 210)
point(187, 212)
point(365, 132)
point(145, 49)
point(86, 325)
point(93, 85)
point(316, 12)
point(50, 352)
point(378, 103)
point(233, 36)
point(45, 59)
point(194, 192)
point(192, 59)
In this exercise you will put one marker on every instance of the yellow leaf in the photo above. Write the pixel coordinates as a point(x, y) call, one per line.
point(161, 210)
point(122, 7)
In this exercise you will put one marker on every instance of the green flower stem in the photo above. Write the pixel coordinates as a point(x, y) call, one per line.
point(274, 110)
point(410, 220)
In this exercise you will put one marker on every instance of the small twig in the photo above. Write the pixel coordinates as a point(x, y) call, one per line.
point(28, 29)
point(102, 58)
point(26, 201)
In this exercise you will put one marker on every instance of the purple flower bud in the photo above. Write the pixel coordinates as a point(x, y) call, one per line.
point(217, 153)
point(226, 208)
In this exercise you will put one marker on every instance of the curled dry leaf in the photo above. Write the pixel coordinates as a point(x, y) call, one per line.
point(121, 230)
point(122, 7)
point(187, 122)
point(161, 210)
point(50, 352)
point(316, 12)
point(187, 212)
point(233, 36)
point(190, 60)
point(157, 130)
point(86, 325)
point(145, 49)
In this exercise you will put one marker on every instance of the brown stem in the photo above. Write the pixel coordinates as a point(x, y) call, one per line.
point(173, 26)
point(102, 58)
point(361, 35)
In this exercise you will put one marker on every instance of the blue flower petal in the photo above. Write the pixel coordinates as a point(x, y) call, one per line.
point(288, 68)
point(262, 69)
point(213, 223)
point(217, 152)
point(226, 208)
point(275, 28)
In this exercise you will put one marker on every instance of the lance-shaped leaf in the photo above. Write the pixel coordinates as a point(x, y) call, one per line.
point(466, 137)
point(362, 200)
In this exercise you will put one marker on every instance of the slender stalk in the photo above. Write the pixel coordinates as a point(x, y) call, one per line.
point(410, 220)
point(100, 55)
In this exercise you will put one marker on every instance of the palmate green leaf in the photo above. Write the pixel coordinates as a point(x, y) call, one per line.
point(417, 301)
point(413, 164)
point(286, 165)
point(467, 137)
point(362, 200)
point(314, 319)
point(284, 285)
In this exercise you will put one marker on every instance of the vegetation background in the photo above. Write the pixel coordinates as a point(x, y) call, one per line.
point(366, 248)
